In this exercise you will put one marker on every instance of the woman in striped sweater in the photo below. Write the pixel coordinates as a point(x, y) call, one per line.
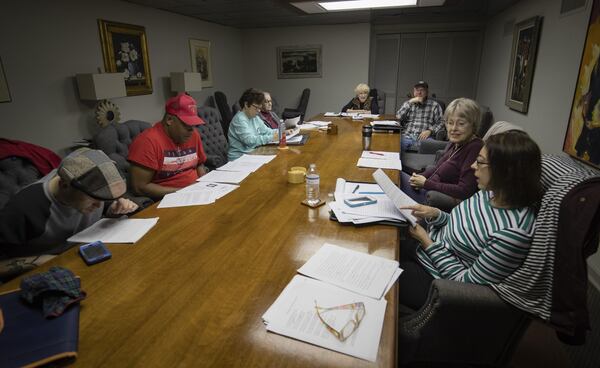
point(486, 237)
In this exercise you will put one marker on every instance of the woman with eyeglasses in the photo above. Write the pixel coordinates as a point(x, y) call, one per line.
point(246, 130)
point(362, 102)
point(452, 174)
point(268, 116)
point(486, 237)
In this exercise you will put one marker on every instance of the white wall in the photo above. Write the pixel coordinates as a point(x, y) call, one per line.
point(345, 63)
point(556, 69)
point(43, 44)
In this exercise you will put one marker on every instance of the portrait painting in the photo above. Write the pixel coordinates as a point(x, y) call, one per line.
point(582, 139)
point(125, 50)
point(522, 63)
point(299, 61)
point(201, 60)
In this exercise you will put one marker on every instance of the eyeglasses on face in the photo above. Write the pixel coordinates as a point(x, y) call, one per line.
point(459, 123)
point(480, 163)
point(350, 326)
point(256, 106)
point(268, 101)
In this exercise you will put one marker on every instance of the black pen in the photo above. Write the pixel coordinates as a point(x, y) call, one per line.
point(356, 188)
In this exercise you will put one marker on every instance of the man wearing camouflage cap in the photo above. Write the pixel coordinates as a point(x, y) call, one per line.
point(39, 218)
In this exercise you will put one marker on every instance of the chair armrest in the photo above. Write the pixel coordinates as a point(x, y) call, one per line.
point(431, 146)
point(461, 323)
point(440, 200)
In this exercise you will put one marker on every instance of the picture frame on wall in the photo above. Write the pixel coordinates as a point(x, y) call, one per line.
point(582, 139)
point(201, 60)
point(299, 61)
point(125, 50)
point(522, 63)
point(4, 91)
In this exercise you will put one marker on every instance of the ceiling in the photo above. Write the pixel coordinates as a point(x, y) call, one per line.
point(279, 13)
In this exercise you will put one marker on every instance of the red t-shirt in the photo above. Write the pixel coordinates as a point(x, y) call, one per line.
point(174, 166)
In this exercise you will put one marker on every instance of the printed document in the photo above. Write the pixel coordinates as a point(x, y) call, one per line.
point(397, 196)
point(119, 230)
point(293, 314)
point(187, 198)
point(229, 177)
point(265, 159)
point(218, 189)
point(387, 123)
point(379, 163)
point(358, 272)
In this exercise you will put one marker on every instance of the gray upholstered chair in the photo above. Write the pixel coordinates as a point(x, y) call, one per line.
point(470, 325)
point(114, 140)
point(213, 138)
point(15, 173)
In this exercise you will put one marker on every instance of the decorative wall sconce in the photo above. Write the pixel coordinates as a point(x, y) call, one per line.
point(100, 87)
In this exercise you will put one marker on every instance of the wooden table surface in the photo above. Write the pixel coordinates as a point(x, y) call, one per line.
point(192, 291)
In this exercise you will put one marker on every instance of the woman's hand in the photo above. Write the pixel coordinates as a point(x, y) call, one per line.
point(417, 181)
point(421, 235)
point(121, 206)
point(422, 211)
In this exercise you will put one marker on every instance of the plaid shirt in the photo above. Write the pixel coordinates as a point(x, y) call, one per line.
point(419, 117)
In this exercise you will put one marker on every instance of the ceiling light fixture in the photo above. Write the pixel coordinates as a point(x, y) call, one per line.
point(365, 4)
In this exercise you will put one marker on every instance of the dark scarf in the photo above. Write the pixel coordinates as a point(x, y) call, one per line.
point(356, 104)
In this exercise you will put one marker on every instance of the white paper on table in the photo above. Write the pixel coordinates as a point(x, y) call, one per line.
point(292, 122)
point(384, 208)
point(333, 114)
point(187, 198)
point(229, 177)
point(358, 272)
point(237, 165)
point(397, 196)
point(392, 123)
point(296, 139)
point(293, 314)
point(337, 211)
point(219, 189)
point(119, 230)
point(381, 155)
point(397, 274)
point(379, 163)
point(265, 159)
point(342, 186)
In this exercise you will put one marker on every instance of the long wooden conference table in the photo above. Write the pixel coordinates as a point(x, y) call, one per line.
point(192, 291)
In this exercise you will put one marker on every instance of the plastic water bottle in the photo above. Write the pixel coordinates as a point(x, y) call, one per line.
point(312, 185)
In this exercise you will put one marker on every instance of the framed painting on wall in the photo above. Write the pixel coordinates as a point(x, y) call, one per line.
point(522, 63)
point(125, 50)
point(582, 139)
point(299, 61)
point(201, 60)
point(4, 91)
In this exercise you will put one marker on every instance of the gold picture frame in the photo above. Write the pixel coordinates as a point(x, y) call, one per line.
point(125, 49)
point(201, 60)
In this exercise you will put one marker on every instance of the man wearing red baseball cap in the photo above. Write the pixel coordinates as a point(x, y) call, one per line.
point(168, 156)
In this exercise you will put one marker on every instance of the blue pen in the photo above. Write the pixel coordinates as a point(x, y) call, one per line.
point(356, 188)
point(371, 193)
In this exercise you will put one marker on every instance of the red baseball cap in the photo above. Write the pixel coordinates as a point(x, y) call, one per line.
point(184, 107)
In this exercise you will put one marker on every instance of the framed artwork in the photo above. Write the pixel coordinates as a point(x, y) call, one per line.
point(4, 91)
point(522, 63)
point(201, 60)
point(299, 61)
point(582, 139)
point(125, 50)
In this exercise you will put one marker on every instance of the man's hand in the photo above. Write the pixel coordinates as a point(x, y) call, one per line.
point(421, 235)
point(424, 135)
point(422, 211)
point(417, 181)
point(121, 206)
point(416, 100)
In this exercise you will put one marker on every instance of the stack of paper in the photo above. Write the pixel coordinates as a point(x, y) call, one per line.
point(383, 211)
point(120, 230)
point(314, 125)
point(332, 114)
point(387, 123)
point(397, 196)
point(380, 160)
point(341, 276)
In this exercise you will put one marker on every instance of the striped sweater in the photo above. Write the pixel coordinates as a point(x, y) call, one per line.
point(478, 243)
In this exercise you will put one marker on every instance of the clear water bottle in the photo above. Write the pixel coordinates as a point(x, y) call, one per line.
point(312, 185)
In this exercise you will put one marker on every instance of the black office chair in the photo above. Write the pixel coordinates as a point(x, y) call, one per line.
point(378, 96)
point(213, 140)
point(224, 110)
point(289, 113)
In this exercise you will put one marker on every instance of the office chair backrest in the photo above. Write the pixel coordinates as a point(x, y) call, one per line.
point(213, 139)
point(224, 110)
point(304, 102)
